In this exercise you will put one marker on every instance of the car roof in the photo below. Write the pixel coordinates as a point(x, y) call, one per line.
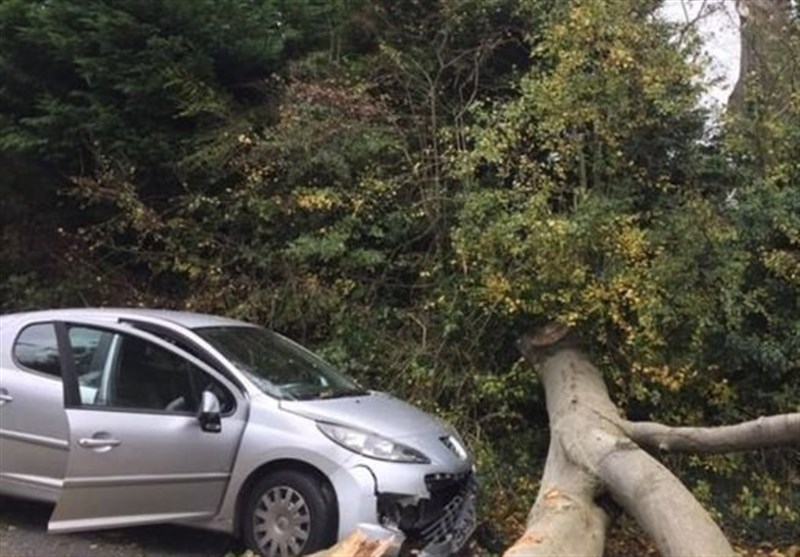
point(187, 319)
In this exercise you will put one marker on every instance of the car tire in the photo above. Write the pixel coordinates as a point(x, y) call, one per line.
point(287, 515)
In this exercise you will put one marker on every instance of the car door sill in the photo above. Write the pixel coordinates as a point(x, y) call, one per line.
point(67, 526)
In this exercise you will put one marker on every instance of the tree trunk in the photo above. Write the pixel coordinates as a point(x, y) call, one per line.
point(594, 456)
point(761, 31)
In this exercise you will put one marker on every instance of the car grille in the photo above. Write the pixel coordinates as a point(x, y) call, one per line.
point(456, 521)
point(445, 485)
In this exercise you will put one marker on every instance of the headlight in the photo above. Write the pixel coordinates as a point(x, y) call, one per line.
point(371, 445)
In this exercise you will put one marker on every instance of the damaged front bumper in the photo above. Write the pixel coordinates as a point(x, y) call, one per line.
point(437, 526)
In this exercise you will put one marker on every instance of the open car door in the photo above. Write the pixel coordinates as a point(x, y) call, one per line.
point(139, 452)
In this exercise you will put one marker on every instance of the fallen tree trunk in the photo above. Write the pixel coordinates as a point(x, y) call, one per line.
point(595, 454)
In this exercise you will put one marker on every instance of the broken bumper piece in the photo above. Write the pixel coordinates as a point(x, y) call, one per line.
point(439, 526)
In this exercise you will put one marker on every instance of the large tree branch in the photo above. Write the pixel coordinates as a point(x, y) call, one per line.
point(664, 508)
point(762, 433)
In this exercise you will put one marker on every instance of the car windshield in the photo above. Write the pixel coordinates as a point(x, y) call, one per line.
point(278, 366)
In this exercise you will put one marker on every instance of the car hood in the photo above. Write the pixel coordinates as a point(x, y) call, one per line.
point(376, 412)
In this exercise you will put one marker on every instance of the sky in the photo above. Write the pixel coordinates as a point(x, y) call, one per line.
point(720, 32)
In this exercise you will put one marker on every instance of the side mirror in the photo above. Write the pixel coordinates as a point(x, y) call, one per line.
point(209, 416)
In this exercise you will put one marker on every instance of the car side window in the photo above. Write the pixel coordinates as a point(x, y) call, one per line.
point(122, 371)
point(36, 348)
point(91, 349)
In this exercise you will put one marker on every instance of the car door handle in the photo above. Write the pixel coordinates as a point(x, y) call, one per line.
point(95, 443)
point(5, 397)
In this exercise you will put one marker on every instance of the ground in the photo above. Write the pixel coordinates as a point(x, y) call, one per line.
point(23, 533)
point(626, 539)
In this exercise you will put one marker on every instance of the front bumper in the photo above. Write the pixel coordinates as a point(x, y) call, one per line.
point(437, 526)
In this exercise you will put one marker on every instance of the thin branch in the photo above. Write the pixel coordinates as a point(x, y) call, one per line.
point(690, 22)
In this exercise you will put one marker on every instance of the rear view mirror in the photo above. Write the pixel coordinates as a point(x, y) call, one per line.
point(209, 416)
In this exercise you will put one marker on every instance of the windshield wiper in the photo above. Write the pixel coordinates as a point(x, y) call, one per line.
point(325, 395)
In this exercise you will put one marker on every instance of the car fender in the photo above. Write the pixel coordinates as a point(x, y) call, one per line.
point(273, 438)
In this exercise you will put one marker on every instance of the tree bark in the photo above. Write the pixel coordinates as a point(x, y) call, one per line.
point(761, 25)
point(356, 545)
point(762, 433)
point(594, 453)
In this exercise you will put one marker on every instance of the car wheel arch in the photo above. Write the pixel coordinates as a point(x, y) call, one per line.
point(328, 491)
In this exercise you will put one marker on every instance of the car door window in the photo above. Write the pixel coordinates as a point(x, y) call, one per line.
point(36, 348)
point(126, 372)
point(91, 349)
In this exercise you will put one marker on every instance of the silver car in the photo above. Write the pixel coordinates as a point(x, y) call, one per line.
point(125, 417)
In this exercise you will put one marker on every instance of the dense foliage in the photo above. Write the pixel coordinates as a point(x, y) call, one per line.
point(408, 186)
